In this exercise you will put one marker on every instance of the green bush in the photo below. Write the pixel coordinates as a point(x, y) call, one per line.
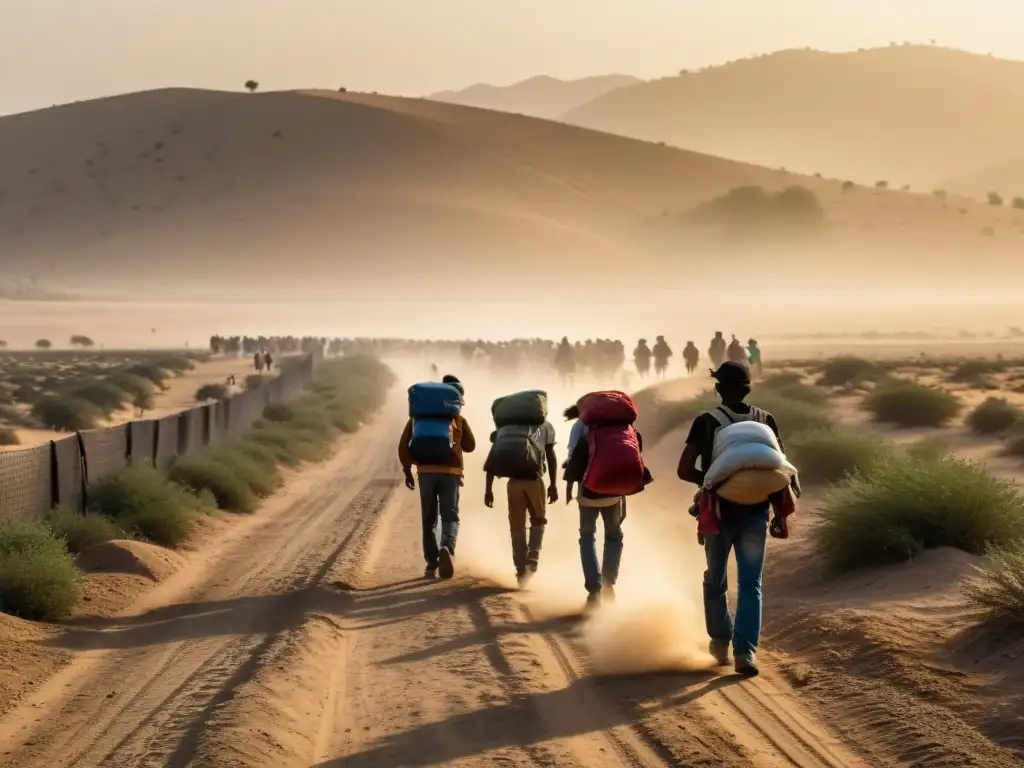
point(792, 415)
point(797, 391)
point(928, 448)
point(261, 480)
point(80, 532)
point(133, 384)
point(66, 414)
point(829, 455)
point(176, 364)
point(909, 404)
point(38, 578)
point(105, 395)
point(253, 381)
point(970, 371)
point(154, 373)
point(204, 473)
point(1013, 441)
point(998, 590)
point(9, 436)
point(904, 505)
point(211, 392)
point(994, 416)
point(847, 370)
point(291, 446)
point(142, 501)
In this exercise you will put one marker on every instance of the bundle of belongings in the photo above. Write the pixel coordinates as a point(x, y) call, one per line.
point(518, 440)
point(747, 467)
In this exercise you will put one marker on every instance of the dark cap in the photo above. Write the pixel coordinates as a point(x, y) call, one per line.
point(453, 381)
point(731, 373)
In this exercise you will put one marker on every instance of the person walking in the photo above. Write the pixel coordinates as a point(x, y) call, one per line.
point(716, 350)
point(642, 358)
point(736, 353)
point(439, 486)
point(620, 458)
point(691, 355)
point(661, 352)
point(754, 357)
point(743, 529)
point(532, 449)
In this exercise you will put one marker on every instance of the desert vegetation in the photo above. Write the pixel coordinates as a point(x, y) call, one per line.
point(72, 391)
point(753, 209)
point(909, 404)
point(38, 576)
point(899, 507)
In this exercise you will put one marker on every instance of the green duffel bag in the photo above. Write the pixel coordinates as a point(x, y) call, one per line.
point(529, 407)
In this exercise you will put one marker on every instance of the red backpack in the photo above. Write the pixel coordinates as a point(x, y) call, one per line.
point(615, 466)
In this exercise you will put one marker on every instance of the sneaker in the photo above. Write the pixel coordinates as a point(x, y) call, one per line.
point(523, 577)
point(430, 572)
point(593, 601)
point(608, 593)
point(746, 665)
point(720, 650)
point(446, 564)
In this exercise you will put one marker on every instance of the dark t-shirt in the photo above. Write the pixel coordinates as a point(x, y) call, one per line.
point(702, 436)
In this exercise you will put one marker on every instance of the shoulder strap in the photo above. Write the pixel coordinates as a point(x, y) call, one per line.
point(722, 416)
point(756, 414)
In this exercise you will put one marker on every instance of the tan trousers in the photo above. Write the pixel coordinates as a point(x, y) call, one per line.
point(526, 498)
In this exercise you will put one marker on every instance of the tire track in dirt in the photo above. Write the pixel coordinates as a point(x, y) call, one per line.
point(147, 683)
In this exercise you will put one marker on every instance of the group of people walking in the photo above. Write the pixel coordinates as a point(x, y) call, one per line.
point(718, 352)
point(603, 466)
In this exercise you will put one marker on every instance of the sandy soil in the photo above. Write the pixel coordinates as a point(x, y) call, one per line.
point(304, 635)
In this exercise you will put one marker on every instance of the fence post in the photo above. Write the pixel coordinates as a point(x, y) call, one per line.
point(54, 476)
point(85, 471)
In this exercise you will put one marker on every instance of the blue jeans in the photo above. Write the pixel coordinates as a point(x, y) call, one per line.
point(747, 535)
point(607, 571)
point(439, 498)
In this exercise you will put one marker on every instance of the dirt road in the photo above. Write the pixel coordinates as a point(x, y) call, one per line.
point(306, 637)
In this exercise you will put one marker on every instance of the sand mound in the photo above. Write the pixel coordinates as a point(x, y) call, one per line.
point(275, 718)
point(214, 181)
point(133, 558)
point(24, 660)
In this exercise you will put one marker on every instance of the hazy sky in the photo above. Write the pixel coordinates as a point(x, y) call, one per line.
point(54, 51)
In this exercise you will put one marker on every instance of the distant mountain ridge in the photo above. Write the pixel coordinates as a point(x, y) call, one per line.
point(906, 114)
point(541, 96)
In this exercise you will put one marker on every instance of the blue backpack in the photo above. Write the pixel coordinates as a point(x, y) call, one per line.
point(433, 408)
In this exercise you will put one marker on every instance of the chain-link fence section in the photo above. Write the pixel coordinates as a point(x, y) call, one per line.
point(33, 480)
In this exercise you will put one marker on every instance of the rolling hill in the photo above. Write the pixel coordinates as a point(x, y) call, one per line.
point(178, 188)
point(541, 96)
point(906, 114)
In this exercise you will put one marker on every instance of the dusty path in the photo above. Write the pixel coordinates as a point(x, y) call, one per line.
point(307, 638)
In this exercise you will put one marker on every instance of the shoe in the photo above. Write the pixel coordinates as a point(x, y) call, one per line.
point(523, 577)
point(608, 593)
point(430, 572)
point(446, 563)
point(720, 650)
point(745, 664)
point(593, 601)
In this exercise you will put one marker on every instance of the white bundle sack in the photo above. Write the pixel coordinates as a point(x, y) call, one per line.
point(742, 433)
point(745, 445)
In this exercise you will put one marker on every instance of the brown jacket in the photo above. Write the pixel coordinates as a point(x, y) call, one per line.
point(464, 441)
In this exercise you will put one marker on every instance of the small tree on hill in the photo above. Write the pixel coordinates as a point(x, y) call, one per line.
point(994, 198)
point(44, 344)
point(82, 341)
point(251, 86)
point(882, 184)
point(1018, 202)
point(848, 185)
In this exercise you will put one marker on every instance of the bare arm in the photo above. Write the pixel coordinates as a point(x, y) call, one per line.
point(552, 465)
point(468, 439)
point(687, 469)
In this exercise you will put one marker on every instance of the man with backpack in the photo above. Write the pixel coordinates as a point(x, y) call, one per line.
point(616, 470)
point(434, 440)
point(522, 451)
point(742, 528)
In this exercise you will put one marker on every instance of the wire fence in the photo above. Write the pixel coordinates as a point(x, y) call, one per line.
point(34, 480)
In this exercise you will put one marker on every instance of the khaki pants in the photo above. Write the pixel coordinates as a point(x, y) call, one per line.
point(526, 498)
